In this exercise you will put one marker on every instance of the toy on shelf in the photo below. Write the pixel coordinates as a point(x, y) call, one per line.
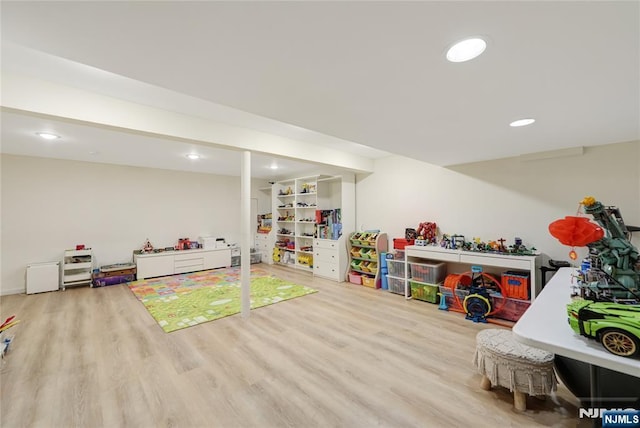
point(147, 247)
point(498, 246)
point(427, 233)
point(608, 309)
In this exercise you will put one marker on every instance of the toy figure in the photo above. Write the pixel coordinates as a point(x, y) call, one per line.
point(427, 231)
point(457, 241)
point(147, 248)
point(617, 255)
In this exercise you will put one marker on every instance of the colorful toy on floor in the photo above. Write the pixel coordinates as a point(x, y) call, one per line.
point(443, 302)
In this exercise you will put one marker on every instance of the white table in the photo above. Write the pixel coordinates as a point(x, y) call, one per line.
point(495, 260)
point(545, 325)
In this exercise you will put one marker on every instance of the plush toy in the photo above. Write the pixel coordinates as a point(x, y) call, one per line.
point(276, 255)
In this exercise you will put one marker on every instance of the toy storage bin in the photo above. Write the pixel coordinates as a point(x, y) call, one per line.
point(516, 284)
point(425, 292)
point(400, 243)
point(395, 285)
point(368, 281)
point(368, 266)
point(512, 309)
point(431, 273)
point(396, 268)
point(113, 280)
point(355, 278)
point(447, 293)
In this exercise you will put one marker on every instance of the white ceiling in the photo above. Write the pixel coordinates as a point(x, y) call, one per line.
point(343, 74)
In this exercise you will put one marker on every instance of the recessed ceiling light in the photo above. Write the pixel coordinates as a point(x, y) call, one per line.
point(466, 49)
point(48, 136)
point(521, 122)
point(273, 166)
point(193, 156)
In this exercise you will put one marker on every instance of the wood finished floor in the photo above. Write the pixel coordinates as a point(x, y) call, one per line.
point(348, 356)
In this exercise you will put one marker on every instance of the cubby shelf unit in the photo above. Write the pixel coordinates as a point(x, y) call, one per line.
point(298, 206)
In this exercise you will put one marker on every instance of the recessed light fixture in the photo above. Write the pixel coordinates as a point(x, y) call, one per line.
point(466, 49)
point(521, 122)
point(193, 156)
point(47, 135)
point(273, 166)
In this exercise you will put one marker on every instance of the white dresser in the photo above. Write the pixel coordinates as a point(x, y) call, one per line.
point(174, 262)
point(263, 246)
point(327, 260)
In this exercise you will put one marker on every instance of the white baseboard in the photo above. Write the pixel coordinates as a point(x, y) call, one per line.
point(12, 291)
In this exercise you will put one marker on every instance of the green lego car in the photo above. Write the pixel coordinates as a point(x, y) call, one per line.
point(615, 325)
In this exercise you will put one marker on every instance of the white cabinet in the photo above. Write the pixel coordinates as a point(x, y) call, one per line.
point(262, 246)
point(216, 259)
point(76, 267)
point(175, 262)
point(327, 260)
point(189, 262)
point(491, 261)
point(43, 277)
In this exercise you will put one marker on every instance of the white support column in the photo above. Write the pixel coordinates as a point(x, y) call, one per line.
point(245, 236)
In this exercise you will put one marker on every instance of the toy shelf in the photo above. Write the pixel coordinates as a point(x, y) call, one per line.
point(364, 250)
point(461, 261)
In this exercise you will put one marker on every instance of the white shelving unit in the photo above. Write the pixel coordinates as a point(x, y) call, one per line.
point(284, 225)
point(461, 261)
point(76, 268)
point(296, 202)
point(295, 227)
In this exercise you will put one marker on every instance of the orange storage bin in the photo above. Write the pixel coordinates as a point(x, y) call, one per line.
point(516, 284)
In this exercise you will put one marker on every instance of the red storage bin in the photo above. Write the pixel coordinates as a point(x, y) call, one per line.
point(400, 243)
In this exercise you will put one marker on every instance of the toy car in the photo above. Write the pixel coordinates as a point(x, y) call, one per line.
point(615, 325)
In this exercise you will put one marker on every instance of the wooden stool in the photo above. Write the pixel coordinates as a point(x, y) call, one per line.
point(503, 361)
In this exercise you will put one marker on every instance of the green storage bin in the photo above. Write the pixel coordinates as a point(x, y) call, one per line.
point(425, 292)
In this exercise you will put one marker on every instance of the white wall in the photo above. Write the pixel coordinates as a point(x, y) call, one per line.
point(51, 205)
point(504, 198)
